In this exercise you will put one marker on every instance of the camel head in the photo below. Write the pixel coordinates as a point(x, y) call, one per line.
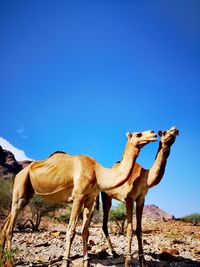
point(140, 139)
point(169, 136)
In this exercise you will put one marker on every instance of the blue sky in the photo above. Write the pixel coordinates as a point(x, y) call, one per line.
point(76, 75)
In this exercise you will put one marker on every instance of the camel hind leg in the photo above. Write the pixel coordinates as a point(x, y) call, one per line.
point(107, 202)
point(7, 229)
point(3, 233)
point(22, 192)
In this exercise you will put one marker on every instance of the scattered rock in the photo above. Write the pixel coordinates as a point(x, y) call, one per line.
point(196, 250)
point(47, 248)
point(40, 258)
point(45, 244)
point(170, 251)
point(56, 234)
point(122, 258)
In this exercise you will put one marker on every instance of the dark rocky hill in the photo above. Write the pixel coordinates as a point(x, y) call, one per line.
point(9, 166)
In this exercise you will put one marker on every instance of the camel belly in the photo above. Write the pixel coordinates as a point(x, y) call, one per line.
point(61, 196)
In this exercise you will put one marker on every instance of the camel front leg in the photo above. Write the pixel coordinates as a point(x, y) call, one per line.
point(129, 234)
point(87, 214)
point(76, 209)
point(139, 211)
point(106, 202)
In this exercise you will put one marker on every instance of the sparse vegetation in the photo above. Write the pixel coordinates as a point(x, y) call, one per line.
point(8, 256)
point(5, 194)
point(64, 217)
point(174, 235)
point(39, 208)
point(193, 218)
point(118, 215)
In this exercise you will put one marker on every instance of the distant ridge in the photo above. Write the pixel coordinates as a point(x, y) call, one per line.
point(156, 213)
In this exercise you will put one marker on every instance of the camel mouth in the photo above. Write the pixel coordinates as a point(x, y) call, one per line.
point(174, 131)
point(153, 138)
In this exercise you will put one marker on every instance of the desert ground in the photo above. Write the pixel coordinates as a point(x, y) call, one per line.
point(166, 243)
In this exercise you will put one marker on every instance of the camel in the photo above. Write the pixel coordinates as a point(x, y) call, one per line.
point(135, 189)
point(63, 178)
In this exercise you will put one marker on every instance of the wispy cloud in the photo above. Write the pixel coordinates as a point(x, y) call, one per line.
point(21, 131)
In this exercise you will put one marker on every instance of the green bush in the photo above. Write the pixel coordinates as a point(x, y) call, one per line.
point(64, 217)
point(193, 218)
point(39, 208)
point(8, 256)
point(5, 193)
point(118, 215)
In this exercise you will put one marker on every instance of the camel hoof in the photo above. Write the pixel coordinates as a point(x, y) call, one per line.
point(115, 255)
point(142, 262)
point(128, 261)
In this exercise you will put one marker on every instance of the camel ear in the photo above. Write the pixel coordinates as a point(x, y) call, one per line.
point(160, 133)
point(128, 134)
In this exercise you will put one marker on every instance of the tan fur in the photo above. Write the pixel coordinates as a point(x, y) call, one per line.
point(63, 177)
point(135, 189)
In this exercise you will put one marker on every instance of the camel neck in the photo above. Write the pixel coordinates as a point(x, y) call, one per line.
point(157, 170)
point(117, 175)
point(130, 154)
point(164, 150)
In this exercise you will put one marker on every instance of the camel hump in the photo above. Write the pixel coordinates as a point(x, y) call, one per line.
point(58, 152)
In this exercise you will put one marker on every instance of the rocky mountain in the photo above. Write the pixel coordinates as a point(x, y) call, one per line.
point(9, 166)
point(156, 213)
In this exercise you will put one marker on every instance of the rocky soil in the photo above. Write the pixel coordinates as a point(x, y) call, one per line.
point(166, 243)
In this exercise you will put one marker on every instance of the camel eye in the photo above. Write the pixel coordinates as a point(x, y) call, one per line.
point(164, 133)
point(139, 134)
